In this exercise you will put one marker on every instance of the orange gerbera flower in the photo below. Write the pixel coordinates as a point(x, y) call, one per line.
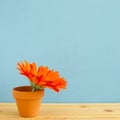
point(41, 77)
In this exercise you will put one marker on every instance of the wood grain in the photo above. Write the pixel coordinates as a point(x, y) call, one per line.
point(66, 111)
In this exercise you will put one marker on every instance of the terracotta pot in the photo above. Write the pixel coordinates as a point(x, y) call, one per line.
point(28, 102)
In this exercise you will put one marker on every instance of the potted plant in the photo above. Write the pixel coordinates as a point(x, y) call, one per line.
point(28, 98)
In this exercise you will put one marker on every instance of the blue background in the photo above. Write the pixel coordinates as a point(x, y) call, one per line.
point(79, 38)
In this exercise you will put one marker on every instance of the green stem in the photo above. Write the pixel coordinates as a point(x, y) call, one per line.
point(35, 87)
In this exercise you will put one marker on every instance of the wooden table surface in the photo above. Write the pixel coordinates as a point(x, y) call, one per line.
point(66, 111)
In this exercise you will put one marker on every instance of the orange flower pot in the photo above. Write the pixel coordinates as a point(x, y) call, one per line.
point(28, 102)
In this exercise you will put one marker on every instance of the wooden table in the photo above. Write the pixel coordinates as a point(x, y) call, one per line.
point(66, 111)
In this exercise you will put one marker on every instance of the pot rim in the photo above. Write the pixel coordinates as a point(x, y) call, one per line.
point(25, 92)
point(25, 89)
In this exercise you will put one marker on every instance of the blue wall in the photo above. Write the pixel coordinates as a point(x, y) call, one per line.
point(79, 38)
